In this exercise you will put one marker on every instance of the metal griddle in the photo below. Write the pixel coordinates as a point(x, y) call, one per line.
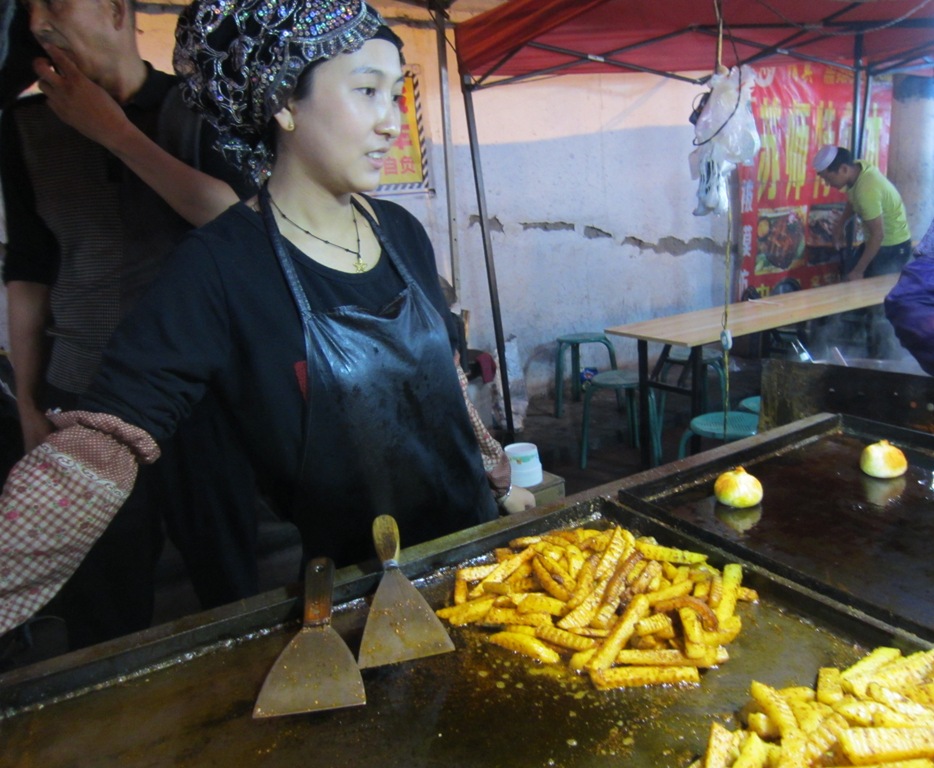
point(822, 522)
point(480, 706)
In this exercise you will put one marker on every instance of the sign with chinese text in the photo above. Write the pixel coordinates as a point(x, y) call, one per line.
point(786, 211)
point(405, 168)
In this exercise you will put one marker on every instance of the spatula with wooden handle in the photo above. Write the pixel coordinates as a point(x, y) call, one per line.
point(316, 670)
point(401, 625)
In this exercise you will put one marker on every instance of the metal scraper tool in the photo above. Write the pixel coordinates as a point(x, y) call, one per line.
point(401, 625)
point(316, 670)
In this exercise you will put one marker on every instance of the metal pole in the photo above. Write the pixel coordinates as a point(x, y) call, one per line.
point(488, 255)
point(855, 130)
point(855, 127)
point(867, 95)
point(440, 15)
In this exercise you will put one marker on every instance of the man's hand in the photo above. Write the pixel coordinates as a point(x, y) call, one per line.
point(78, 101)
point(854, 274)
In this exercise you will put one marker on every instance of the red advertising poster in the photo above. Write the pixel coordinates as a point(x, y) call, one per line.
point(786, 211)
point(406, 168)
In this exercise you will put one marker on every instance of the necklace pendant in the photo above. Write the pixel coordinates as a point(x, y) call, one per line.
point(360, 266)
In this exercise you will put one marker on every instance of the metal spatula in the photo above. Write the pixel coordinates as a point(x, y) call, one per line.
point(316, 670)
point(401, 625)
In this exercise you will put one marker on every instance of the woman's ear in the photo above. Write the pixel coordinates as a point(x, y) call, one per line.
point(286, 119)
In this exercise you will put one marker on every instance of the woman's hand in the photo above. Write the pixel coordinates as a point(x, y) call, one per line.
point(519, 500)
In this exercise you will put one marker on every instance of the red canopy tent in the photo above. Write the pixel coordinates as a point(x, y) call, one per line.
point(523, 39)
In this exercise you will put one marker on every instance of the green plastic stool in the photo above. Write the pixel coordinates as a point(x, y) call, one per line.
point(573, 341)
point(619, 381)
point(709, 357)
point(751, 404)
point(739, 424)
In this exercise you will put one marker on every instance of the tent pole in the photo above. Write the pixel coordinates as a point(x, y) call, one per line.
point(867, 94)
point(856, 131)
point(488, 255)
point(439, 15)
point(855, 127)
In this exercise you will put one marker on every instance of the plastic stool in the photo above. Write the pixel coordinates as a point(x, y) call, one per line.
point(751, 404)
point(620, 381)
point(709, 357)
point(739, 424)
point(574, 340)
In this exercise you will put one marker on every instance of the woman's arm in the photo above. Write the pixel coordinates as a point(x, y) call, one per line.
point(510, 498)
point(58, 500)
point(28, 313)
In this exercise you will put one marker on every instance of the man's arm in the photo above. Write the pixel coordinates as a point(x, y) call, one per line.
point(874, 231)
point(195, 196)
point(28, 307)
point(839, 227)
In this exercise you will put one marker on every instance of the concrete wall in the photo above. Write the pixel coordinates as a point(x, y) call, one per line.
point(911, 153)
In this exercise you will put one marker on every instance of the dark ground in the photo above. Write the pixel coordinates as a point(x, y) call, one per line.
point(610, 455)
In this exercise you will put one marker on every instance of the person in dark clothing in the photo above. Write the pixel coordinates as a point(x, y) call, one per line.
point(909, 307)
point(312, 312)
point(87, 233)
point(18, 48)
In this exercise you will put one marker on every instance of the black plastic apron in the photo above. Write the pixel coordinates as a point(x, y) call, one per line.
point(383, 403)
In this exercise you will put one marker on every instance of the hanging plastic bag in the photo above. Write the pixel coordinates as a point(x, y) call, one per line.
point(725, 135)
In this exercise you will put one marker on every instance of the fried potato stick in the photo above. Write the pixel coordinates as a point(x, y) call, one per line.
point(629, 677)
point(619, 635)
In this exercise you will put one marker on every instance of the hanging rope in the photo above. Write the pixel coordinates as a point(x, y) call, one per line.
point(726, 338)
point(718, 11)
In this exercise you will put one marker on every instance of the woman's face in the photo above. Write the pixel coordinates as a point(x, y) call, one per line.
point(345, 126)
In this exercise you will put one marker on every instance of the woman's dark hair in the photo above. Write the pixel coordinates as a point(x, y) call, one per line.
point(303, 84)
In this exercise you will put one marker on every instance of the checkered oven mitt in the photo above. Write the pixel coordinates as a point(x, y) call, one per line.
point(58, 500)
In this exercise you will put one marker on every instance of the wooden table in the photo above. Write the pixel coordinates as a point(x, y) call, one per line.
point(704, 326)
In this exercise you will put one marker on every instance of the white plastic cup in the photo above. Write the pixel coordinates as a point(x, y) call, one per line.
point(525, 464)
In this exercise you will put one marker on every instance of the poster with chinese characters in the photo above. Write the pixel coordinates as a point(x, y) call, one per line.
point(405, 169)
point(786, 211)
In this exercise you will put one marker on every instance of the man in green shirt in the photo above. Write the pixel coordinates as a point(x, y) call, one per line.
point(874, 199)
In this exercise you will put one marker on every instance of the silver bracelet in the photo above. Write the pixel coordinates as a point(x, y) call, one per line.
point(502, 499)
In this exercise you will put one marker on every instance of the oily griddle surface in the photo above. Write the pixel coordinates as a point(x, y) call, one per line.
point(480, 706)
point(866, 541)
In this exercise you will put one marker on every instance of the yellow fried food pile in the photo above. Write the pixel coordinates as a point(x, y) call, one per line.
point(627, 611)
point(878, 712)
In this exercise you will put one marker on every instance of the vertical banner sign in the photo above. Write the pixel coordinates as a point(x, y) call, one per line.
point(786, 211)
point(405, 169)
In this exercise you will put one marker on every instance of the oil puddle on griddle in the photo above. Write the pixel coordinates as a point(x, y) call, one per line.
point(823, 517)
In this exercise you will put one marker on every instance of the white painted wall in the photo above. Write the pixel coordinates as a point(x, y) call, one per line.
point(590, 194)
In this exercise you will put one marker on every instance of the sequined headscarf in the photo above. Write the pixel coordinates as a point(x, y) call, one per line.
point(240, 60)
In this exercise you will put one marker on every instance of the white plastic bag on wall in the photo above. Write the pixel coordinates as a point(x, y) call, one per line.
point(725, 135)
point(518, 393)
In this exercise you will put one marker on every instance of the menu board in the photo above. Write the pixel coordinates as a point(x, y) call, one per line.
point(786, 211)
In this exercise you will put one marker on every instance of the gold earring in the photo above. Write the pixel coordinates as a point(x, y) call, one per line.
point(291, 126)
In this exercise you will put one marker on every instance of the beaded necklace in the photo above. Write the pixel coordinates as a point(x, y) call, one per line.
point(359, 265)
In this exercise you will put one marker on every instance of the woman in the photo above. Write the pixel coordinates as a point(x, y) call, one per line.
point(314, 313)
